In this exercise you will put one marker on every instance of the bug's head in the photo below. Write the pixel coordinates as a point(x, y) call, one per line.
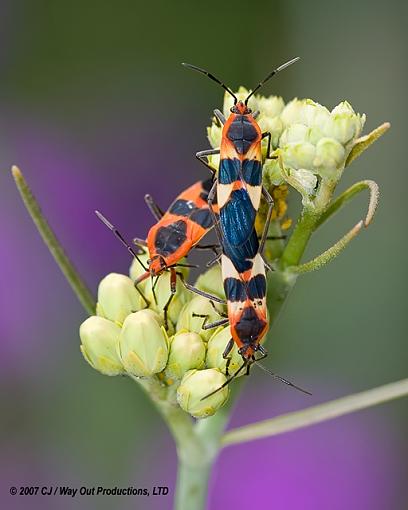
point(157, 265)
point(241, 108)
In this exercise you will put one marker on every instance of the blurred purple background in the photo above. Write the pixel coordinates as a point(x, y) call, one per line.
point(96, 111)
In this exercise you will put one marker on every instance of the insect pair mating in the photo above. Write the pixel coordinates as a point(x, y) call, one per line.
point(229, 202)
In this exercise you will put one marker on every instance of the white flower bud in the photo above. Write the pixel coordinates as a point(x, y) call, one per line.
point(215, 349)
point(143, 345)
point(117, 297)
point(298, 155)
point(202, 306)
point(197, 384)
point(345, 125)
point(99, 337)
point(271, 106)
point(214, 135)
point(187, 351)
point(330, 155)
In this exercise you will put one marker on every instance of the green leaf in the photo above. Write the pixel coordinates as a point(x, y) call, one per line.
point(362, 143)
point(66, 266)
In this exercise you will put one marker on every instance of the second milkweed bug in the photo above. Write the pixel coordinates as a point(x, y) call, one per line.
point(239, 180)
point(171, 238)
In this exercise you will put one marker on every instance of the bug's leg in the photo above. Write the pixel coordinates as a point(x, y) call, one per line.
point(267, 135)
point(200, 292)
point(221, 314)
point(173, 285)
point(220, 116)
point(142, 295)
point(270, 202)
point(154, 208)
point(202, 156)
point(256, 113)
point(225, 355)
point(154, 288)
point(214, 260)
point(206, 325)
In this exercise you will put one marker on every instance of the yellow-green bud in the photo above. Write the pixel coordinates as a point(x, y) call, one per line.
point(330, 155)
point(99, 337)
point(143, 345)
point(202, 306)
point(215, 349)
point(162, 291)
point(214, 135)
point(346, 125)
point(117, 297)
point(197, 384)
point(211, 282)
point(187, 351)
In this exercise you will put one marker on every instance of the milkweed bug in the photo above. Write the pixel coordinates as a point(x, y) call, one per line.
point(171, 238)
point(245, 291)
point(239, 180)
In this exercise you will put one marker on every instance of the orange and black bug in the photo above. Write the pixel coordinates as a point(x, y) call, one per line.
point(245, 290)
point(238, 185)
point(176, 232)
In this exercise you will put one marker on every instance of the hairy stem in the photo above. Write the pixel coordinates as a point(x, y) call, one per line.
point(317, 414)
point(71, 274)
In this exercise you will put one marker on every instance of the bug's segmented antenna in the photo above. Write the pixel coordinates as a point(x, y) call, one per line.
point(279, 378)
point(120, 237)
point(272, 73)
point(212, 77)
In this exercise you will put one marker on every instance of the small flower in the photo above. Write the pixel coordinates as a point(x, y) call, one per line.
point(346, 125)
point(99, 337)
point(215, 349)
point(142, 345)
point(197, 384)
point(187, 351)
point(117, 297)
point(187, 319)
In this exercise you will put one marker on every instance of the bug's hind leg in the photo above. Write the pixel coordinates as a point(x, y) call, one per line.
point(154, 208)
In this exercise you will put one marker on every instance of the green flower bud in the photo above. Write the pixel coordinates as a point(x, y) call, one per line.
point(187, 351)
point(197, 384)
point(143, 345)
point(269, 107)
point(99, 337)
point(117, 297)
point(202, 306)
point(271, 125)
point(214, 135)
point(211, 282)
point(162, 291)
point(137, 270)
point(346, 125)
point(330, 155)
point(215, 349)
point(298, 155)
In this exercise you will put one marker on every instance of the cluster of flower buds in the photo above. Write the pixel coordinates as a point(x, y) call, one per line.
point(126, 338)
point(127, 335)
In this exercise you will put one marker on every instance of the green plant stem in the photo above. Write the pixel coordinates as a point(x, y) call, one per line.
point(317, 414)
point(71, 274)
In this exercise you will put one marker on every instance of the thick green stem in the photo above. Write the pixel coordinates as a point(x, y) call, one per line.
point(299, 239)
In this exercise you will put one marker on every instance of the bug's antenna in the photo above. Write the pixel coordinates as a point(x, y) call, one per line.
point(244, 364)
point(281, 379)
point(120, 237)
point(272, 73)
point(212, 77)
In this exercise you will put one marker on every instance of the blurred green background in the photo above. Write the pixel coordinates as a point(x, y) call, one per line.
point(97, 111)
